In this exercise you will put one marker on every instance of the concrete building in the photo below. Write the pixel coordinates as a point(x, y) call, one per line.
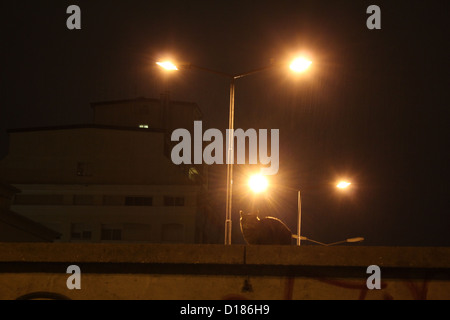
point(112, 180)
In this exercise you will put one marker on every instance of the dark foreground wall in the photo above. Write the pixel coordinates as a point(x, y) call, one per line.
point(214, 272)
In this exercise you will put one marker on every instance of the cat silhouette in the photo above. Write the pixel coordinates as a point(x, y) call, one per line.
point(264, 231)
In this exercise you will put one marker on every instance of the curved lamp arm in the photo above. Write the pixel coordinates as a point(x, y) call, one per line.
point(350, 240)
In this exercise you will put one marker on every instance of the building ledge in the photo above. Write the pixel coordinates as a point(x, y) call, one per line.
point(396, 262)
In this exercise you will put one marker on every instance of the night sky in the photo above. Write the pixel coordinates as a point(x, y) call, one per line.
point(373, 107)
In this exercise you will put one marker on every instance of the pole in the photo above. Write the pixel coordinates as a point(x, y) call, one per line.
point(299, 222)
point(230, 155)
point(230, 160)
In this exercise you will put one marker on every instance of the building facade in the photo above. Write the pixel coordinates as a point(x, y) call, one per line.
point(112, 180)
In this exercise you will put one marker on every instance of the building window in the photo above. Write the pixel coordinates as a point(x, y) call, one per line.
point(173, 201)
point(143, 126)
point(137, 232)
point(80, 231)
point(138, 201)
point(113, 200)
point(83, 200)
point(84, 169)
point(111, 232)
point(172, 232)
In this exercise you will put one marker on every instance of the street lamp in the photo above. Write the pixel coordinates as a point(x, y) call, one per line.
point(341, 185)
point(298, 65)
point(258, 183)
point(167, 65)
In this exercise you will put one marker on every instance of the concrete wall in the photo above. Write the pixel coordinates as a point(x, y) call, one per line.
point(215, 272)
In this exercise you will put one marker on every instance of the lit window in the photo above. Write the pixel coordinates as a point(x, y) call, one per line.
point(143, 126)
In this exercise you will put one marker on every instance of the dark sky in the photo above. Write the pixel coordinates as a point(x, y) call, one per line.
point(372, 108)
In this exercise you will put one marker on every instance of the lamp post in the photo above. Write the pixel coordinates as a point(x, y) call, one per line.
point(298, 65)
point(259, 183)
point(299, 217)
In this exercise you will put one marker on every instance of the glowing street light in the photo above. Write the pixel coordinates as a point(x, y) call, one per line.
point(298, 65)
point(343, 184)
point(167, 65)
point(258, 183)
